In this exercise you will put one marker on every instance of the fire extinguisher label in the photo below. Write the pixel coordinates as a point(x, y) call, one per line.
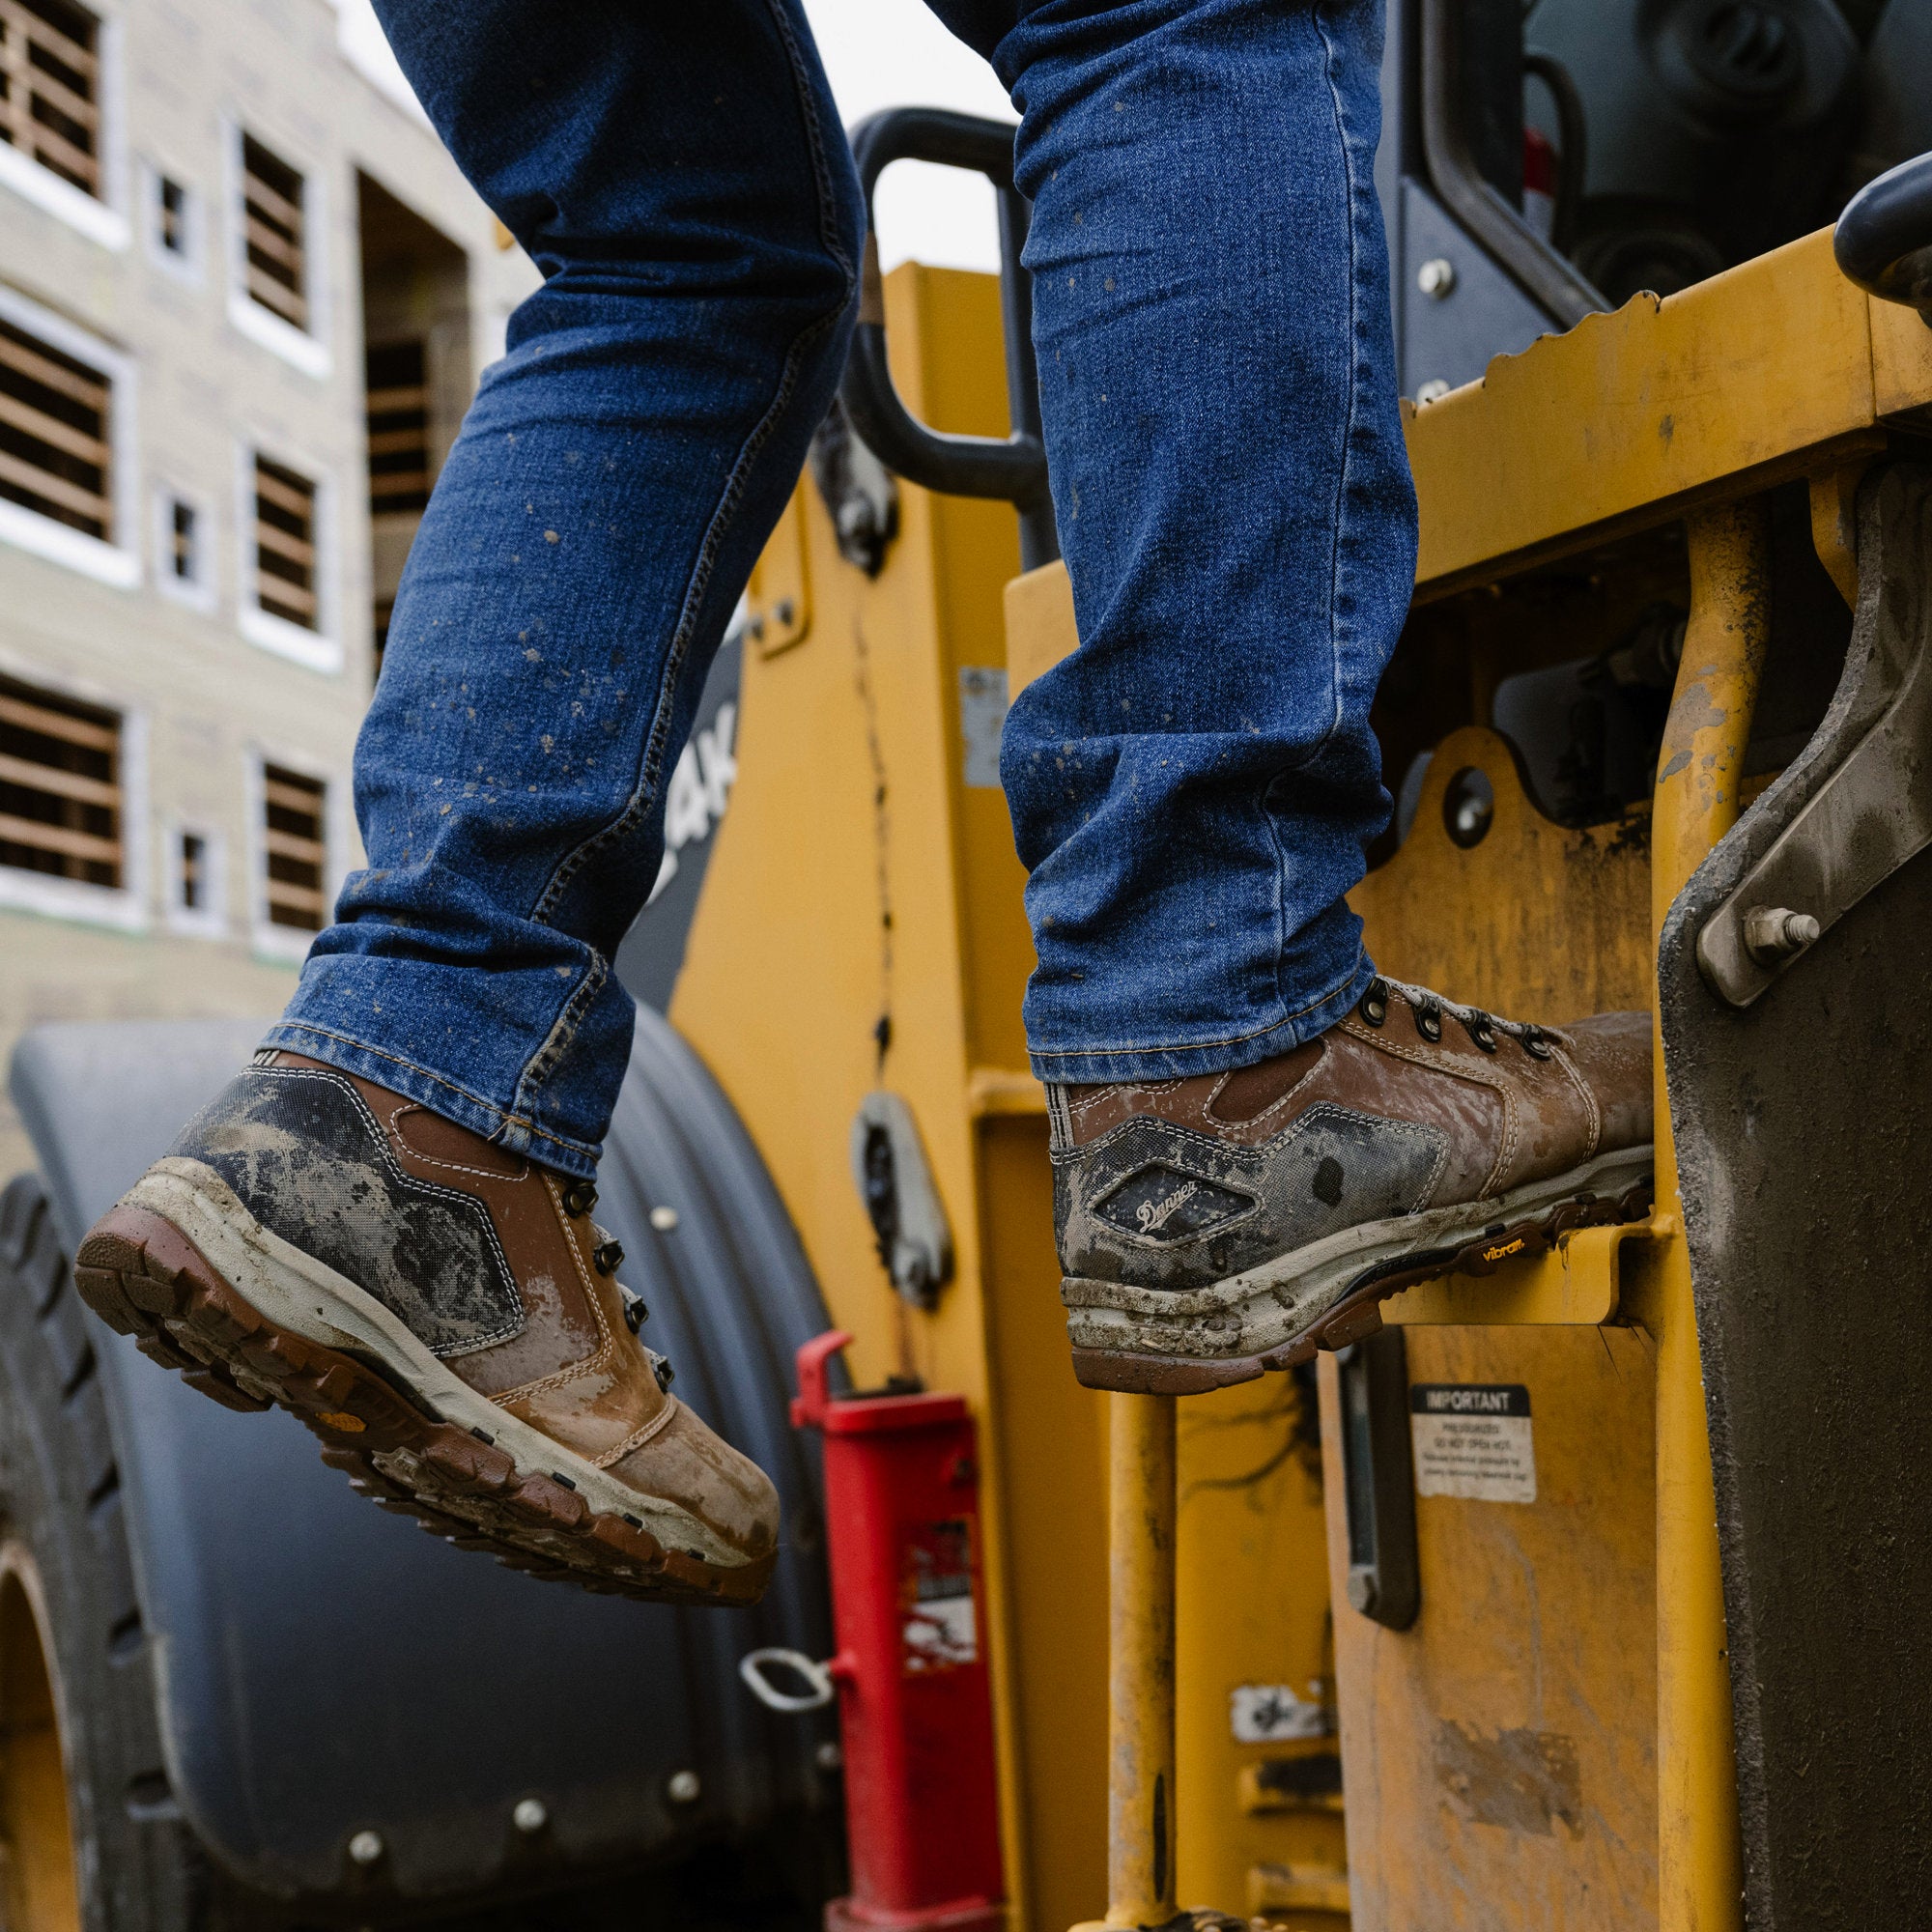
point(940, 1630)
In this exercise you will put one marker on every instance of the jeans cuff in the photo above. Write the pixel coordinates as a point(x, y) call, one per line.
point(1220, 1056)
point(349, 1055)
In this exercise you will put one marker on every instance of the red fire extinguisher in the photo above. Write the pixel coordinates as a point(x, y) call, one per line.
point(915, 1706)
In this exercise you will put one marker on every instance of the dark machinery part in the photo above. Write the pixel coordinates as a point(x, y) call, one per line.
point(1015, 470)
point(1718, 128)
point(1808, 1232)
point(1883, 240)
point(318, 1670)
point(1378, 1472)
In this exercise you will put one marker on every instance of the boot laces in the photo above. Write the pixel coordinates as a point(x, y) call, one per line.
point(1429, 1008)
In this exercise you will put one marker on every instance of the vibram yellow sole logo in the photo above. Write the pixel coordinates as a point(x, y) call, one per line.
point(1502, 1253)
point(335, 1418)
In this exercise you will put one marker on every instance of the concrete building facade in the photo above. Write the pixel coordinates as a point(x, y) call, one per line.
point(243, 297)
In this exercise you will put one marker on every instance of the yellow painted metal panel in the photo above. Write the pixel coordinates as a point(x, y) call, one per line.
point(1041, 627)
point(1576, 1284)
point(1499, 1753)
point(1253, 1612)
point(1901, 364)
point(1631, 413)
point(778, 597)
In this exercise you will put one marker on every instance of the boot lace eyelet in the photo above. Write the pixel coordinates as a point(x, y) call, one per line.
point(1480, 1032)
point(578, 1198)
point(607, 1257)
point(1536, 1044)
point(1429, 1022)
point(1374, 1009)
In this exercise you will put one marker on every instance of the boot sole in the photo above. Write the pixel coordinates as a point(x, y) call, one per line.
point(1329, 1295)
point(490, 1482)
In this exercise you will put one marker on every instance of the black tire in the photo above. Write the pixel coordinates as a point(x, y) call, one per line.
point(139, 1867)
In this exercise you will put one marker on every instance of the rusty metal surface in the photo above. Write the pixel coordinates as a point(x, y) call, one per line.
point(1868, 770)
point(1802, 1133)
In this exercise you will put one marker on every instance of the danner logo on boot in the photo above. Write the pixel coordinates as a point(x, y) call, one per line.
point(1152, 1214)
point(1162, 1204)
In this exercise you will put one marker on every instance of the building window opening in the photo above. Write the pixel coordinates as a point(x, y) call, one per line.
point(285, 574)
point(54, 453)
point(398, 414)
point(50, 87)
point(194, 880)
point(184, 541)
point(294, 847)
point(60, 786)
point(273, 232)
point(171, 216)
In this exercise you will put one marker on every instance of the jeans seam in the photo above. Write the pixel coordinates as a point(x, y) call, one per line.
point(1203, 1046)
point(544, 1061)
point(508, 1118)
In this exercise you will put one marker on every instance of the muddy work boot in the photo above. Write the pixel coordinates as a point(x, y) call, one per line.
point(1214, 1227)
point(446, 1317)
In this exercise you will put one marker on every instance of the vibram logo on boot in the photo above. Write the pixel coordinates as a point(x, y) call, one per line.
point(1504, 1251)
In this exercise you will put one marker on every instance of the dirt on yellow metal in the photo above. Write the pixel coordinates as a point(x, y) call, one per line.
point(1141, 1872)
point(39, 1885)
point(1699, 779)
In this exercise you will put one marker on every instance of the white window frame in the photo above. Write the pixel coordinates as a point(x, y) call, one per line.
point(200, 592)
point(117, 563)
point(289, 945)
point(319, 649)
point(190, 268)
point(305, 349)
point(206, 922)
point(122, 907)
point(103, 219)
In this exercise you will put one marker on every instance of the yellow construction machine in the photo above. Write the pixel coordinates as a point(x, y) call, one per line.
point(1588, 1595)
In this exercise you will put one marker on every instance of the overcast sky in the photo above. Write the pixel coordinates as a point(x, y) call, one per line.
point(879, 53)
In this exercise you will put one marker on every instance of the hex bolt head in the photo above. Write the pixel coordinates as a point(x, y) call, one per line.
point(664, 1219)
point(684, 1787)
point(829, 1756)
point(1776, 933)
point(366, 1847)
point(1437, 277)
point(530, 1816)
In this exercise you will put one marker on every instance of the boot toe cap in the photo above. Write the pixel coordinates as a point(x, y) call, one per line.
point(688, 1464)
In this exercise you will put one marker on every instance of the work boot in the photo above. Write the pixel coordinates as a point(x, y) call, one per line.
point(1214, 1227)
point(446, 1315)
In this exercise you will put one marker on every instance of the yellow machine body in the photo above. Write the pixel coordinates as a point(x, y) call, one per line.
point(1548, 1745)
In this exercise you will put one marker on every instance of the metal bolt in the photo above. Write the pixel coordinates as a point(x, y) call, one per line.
point(664, 1219)
point(785, 611)
point(684, 1787)
point(829, 1756)
point(530, 1816)
point(366, 1847)
point(1437, 277)
point(1433, 390)
point(1362, 1591)
point(1772, 933)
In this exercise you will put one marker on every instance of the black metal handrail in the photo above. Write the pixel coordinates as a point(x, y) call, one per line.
point(1014, 469)
point(1883, 242)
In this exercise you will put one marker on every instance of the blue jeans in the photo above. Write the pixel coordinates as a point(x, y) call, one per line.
point(1191, 791)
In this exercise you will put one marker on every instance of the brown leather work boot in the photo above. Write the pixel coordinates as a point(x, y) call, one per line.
point(1214, 1227)
point(446, 1317)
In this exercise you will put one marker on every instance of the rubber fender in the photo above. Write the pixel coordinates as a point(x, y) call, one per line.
point(324, 1670)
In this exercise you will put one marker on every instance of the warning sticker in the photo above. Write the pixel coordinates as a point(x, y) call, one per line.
point(939, 1630)
point(1472, 1440)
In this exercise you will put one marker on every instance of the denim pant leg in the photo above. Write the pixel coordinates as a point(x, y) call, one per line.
point(1192, 789)
point(679, 175)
